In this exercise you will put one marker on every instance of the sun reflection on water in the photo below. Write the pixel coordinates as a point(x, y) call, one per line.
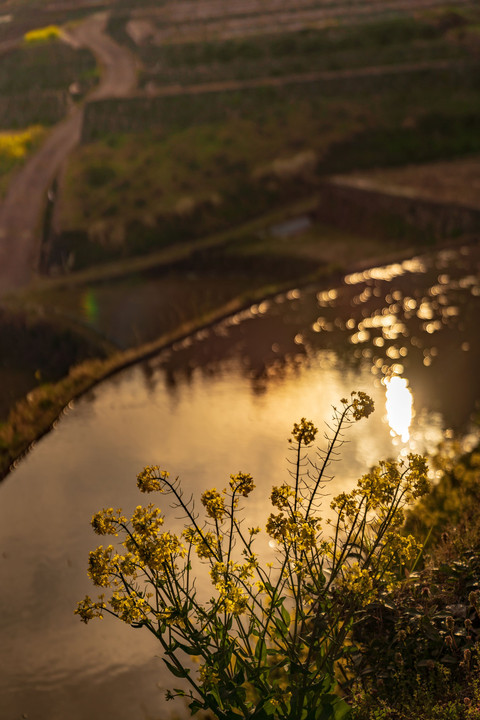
point(399, 402)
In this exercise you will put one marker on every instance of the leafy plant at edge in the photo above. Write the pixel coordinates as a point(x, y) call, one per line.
point(269, 638)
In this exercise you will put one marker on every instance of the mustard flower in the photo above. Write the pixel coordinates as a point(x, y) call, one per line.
point(102, 565)
point(214, 504)
point(362, 405)
point(88, 609)
point(150, 479)
point(345, 505)
point(106, 521)
point(157, 553)
point(205, 544)
point(305, 431)
point(247, 570)
point(280, 496)
point(242, 484)
point(131, 608)
point(208, 676)
point(358, 582)
point(403, 549)
point(295, 530)
point(127, 564)
point(417, 482)
point(147, 521)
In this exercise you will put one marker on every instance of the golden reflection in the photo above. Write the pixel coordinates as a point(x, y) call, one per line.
point(399, 402)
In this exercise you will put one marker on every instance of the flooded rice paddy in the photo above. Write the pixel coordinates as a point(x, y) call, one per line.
point(221, 401)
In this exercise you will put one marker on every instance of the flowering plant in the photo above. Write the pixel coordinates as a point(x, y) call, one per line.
point(268, 638)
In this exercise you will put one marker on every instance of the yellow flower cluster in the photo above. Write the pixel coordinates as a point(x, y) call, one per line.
point(205, 543)
point(147, 521)
point(418, 483)
point(247, 570)
point(15, 145)
point(131, 607)
point(232, 598)
point(106, 521)
point(345, 505)
point(378, 488)
point(295, 530)
point(208, 676)
point(304, 431)
point(151, 478)
point(45, 34)
point(89, 609)
point(172, 616)
point(362, 405)
point(280, 496)
point(359, 582)
point(158, 552)
point(404, 550)
point(102, 565)
point(242, 484)
point(214, 504)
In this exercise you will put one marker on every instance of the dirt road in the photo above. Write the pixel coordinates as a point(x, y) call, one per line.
point(21, 211)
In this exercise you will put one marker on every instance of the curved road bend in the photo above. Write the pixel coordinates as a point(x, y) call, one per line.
point(21, 211)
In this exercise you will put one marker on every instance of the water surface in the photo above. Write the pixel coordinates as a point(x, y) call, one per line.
point(222, 401)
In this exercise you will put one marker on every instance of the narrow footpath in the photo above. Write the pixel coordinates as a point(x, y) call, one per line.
point(21, 211)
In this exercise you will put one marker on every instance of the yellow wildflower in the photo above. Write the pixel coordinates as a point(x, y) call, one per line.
point(156, 552)
point(359, 582)
point(131, 608)
point(106, 521)
point(147, 521)
point(280, 496)
point(213, 503)
point(362, 405)
point(102, 565)
point(305, 431)
point(208, 676)
point(242, 483)
point(150, 479)
point(88, 609)
point(205, 543)
point(345, 505)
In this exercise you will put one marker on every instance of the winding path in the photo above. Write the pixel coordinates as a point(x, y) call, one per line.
point(21, 211)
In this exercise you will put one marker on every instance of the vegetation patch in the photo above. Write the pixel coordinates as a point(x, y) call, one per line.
point(35, 79)
point(14, 147)
point(41, 35)
point(220, 158)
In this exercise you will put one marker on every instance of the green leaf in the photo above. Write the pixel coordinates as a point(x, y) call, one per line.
point(195, 706)
point(341, 710)
point(261, 651)
point(178, 672)
point(285, 616)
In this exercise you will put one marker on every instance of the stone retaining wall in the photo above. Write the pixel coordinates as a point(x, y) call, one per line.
point(391, 215)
